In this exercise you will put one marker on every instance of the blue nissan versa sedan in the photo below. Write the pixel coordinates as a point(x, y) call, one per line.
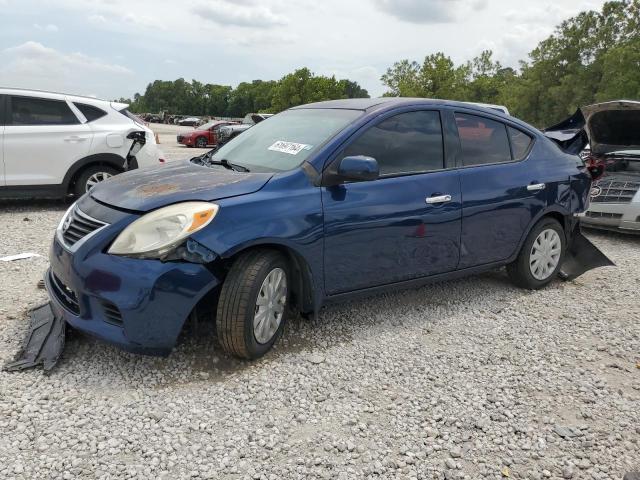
point(317, 204)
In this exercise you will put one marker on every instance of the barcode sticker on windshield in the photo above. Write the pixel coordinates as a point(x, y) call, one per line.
point(289, 147)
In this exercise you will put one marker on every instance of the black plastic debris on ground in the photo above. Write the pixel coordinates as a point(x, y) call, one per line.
point(581, 257)
point(44, 342)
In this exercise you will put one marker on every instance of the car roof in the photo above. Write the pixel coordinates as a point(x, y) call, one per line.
point(369, 104)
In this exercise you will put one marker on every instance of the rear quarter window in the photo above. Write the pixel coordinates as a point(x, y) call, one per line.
point(483, 141)
point(520, 143)
point(90, 112)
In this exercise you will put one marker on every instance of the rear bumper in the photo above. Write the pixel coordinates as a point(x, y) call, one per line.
point(138, 305)
point(613, 216)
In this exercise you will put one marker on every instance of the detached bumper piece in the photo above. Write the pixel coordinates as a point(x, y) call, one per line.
point(44, 342)
point(581, 257)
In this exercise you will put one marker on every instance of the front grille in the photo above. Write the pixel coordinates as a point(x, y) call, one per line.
point(64, 294)
point(612, 191)
point(604, 215)
point(77, 226)
point(112, 313)
point(180, 138)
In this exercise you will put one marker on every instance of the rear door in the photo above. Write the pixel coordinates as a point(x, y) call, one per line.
point(502, 190)
point(404, 225)
point(2, 122)
point(43, 137)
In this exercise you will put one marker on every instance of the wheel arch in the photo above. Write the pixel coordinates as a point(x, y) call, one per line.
point(556, 212)
point(303, 285)
point(110, 159)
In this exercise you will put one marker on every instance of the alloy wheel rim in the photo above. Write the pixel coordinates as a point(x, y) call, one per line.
point(270, 305)
point(96, 178)
point(545, 254)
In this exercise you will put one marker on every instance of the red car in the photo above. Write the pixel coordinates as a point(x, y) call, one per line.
point(204, 135)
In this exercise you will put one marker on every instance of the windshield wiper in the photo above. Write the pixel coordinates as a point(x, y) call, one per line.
point(207, 160)
point(231, 166)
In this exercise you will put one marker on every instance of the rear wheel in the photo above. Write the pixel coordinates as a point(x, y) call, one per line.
point(253, 303)
point(541, 256)
point(91, 176)
point(201, 142)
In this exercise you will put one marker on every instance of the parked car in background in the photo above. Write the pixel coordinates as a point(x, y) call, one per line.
point(53, 144)
point(613, 130)
point(321, 203)
point(189, 122)
point(204, 135)
point(231, 131)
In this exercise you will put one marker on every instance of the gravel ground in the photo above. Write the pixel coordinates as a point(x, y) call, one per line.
point(466, 379)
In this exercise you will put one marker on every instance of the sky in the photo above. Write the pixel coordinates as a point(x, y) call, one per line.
point(114, 48)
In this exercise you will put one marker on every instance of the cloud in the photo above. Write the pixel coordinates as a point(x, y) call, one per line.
point(240, 14)
point(137, 20)
point(428, 11)
point(255, 39)
point(33, 65)
point(46, 28)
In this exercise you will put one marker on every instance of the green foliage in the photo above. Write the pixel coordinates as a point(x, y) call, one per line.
point(195, 98)
point(594, 56)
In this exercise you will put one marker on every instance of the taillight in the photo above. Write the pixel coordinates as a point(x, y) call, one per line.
point(162, 160)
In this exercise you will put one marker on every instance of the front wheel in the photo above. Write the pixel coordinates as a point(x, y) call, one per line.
point(253, 303)
point(201, 142)
point(541, 256)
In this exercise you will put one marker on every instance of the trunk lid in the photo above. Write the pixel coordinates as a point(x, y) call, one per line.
point(150, 188)
point(607, 127)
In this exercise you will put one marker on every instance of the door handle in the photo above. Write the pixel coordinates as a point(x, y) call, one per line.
point(438, 199)
point(535, 187)
point(74, 138)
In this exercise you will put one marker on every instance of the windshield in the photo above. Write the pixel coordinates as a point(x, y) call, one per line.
point(286, 140)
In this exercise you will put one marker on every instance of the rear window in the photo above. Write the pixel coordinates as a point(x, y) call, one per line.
point(483, 141)
point(90, 112)
point(520, 143)
point(40, 111)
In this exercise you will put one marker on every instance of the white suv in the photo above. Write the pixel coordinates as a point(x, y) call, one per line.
point(53, 145)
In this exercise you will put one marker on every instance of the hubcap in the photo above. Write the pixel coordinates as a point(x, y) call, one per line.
point(270, 304)
point(97, 178)
point(545, 254)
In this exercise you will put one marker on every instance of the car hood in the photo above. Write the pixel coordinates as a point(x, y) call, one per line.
point(150, 188)
point(607, 127)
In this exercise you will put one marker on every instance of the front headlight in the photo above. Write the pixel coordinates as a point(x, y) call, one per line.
point(157, 233)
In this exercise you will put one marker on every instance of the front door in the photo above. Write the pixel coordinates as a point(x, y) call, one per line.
point(42, 139)
point(404, 225)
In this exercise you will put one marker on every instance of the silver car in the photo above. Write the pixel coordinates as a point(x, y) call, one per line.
point(613, 131)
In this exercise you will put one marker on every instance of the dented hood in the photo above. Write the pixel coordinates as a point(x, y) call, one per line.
point(607, 127)
point(147, 189)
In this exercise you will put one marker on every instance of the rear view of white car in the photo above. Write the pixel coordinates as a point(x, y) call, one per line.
point(53, 145)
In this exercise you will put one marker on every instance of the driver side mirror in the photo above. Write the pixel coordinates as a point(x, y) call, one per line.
point(358, 168)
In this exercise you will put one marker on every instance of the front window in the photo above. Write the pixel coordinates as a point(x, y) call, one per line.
point(286, 140)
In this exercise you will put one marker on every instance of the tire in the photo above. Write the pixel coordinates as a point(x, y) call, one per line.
point(548, 236)
point(85, 180)
point(201, 142)
point(238, 306)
